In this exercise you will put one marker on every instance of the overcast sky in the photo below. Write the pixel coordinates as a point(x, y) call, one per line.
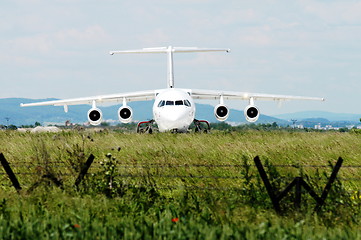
point(60, 48)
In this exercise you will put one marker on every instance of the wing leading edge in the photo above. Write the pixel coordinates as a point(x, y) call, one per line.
point(214, 94)
point(121, 97)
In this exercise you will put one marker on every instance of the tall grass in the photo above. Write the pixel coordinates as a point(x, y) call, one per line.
point(151, 186)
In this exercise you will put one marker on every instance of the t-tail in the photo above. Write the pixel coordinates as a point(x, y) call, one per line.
point(169, 51)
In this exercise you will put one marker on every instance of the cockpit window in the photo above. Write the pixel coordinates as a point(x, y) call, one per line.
point(187, 103)
point(161, 103)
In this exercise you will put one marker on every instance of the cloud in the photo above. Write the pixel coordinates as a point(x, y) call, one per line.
point(210, 59)
point(234, 16)
point(32, 44)
point(335, 12)
point(51, 43)
point(9, 60)
point(255, 36)
point(89, 36)
point(155, 38)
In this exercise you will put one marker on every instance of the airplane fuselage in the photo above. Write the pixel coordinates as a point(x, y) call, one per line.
point(173, 110)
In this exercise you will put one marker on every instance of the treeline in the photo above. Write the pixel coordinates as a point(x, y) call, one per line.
point(223, 126)
point(259, 126)
point(220, 126)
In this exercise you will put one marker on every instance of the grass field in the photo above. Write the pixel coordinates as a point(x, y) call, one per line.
point(177, 186)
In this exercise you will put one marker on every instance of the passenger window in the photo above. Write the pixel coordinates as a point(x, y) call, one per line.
point(169, 103)
point(187, 103)
point(179, 102)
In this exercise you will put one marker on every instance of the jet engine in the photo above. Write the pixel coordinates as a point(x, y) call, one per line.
point(125, 114)
point(95, 116)
point(221, 112)
point(251, 113)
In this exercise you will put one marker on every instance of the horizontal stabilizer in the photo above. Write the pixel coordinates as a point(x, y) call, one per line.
point(169, 51)
point(172, 49)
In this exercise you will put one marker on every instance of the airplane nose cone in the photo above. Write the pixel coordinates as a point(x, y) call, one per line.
point(175, 116)
point(175, 119)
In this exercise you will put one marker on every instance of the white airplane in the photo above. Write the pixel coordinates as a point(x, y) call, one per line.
point(174, 108)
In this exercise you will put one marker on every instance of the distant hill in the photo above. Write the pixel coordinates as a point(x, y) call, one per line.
point(320, 114)
point(311, 118)
point(10, 109)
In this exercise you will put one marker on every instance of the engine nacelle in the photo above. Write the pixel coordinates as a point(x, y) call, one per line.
point(221, 112)
point(95, 116)
point(251, 113)
point(125, 114)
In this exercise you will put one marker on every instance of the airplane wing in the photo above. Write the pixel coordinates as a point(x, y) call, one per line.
point(214, 94)
point(121, 97)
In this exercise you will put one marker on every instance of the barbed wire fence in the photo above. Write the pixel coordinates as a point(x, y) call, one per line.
point(58, 170)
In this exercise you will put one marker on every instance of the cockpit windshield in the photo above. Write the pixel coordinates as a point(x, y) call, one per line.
point(161, 103)
point(186, 103)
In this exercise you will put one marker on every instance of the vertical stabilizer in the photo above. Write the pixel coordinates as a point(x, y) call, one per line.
point(170, 67)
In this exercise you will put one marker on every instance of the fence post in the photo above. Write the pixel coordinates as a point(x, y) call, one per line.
point(310, 191)
point(10, 172)
point(329, 184)
point(298, 193)
point(298, 183)
point(267, 184)
point(84, 170)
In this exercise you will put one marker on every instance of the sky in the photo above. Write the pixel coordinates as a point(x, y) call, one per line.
point(60, 48)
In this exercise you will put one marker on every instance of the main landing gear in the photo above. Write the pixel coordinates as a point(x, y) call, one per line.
point(145, 127)
point(199, 127)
